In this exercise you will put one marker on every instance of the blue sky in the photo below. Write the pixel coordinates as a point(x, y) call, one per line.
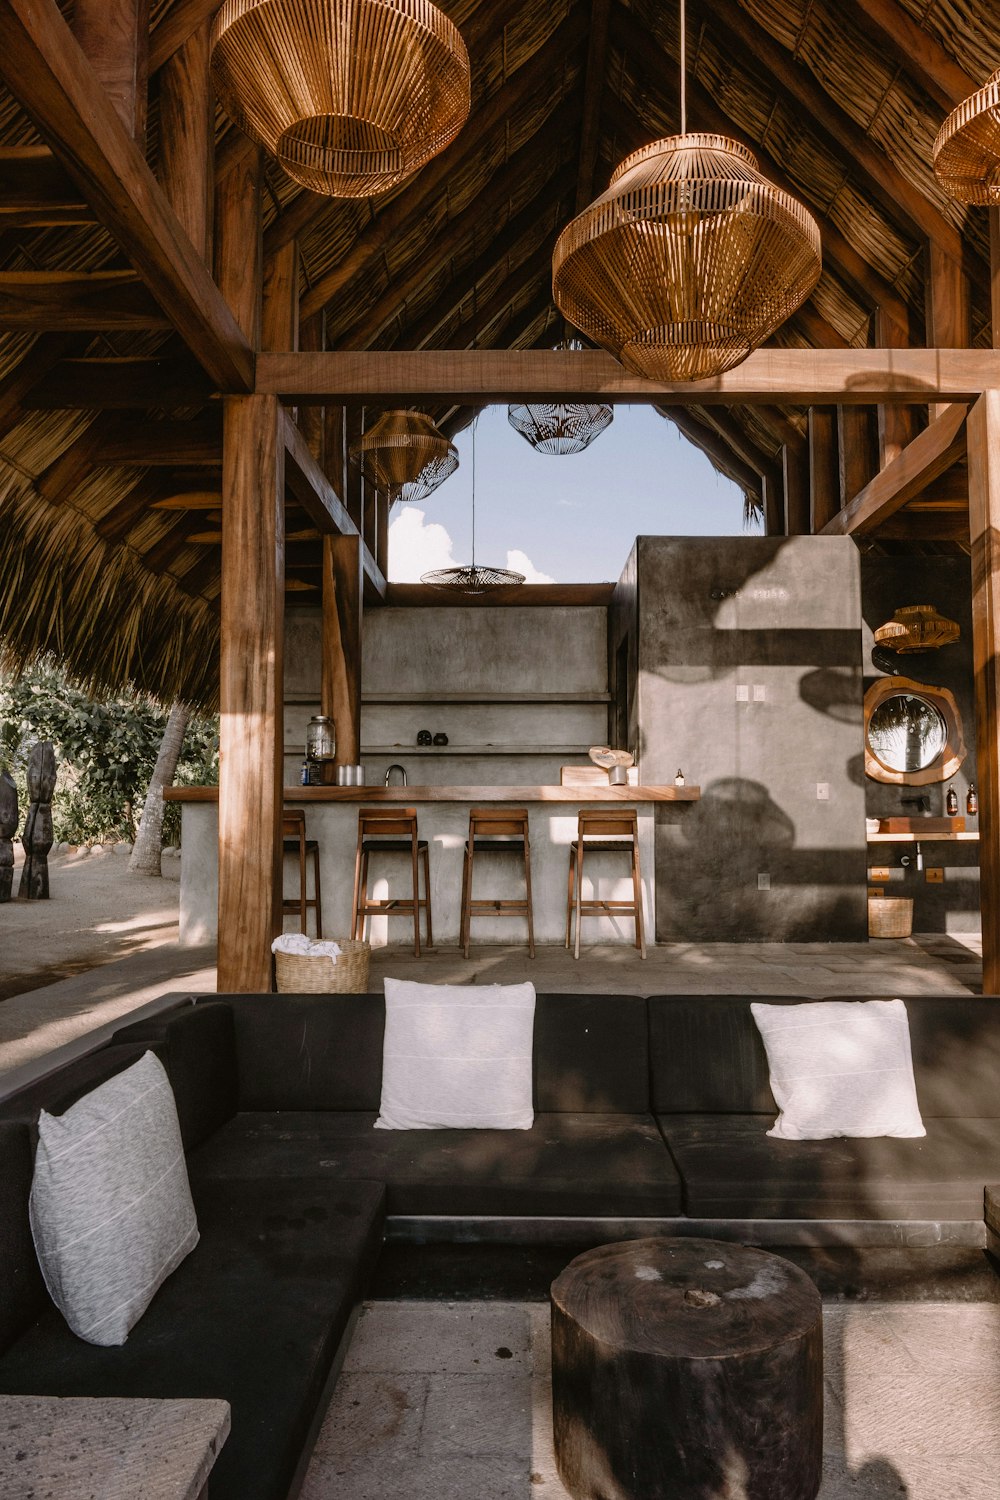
point(574, 517)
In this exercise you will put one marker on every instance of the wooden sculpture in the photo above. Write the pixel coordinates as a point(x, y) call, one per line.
point(37, 836)
point(8, 828)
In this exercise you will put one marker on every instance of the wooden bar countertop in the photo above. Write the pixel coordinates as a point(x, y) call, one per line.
point(406, 794)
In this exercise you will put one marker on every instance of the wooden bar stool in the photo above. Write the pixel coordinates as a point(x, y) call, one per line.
point(391, 830)
point(604, 830)
point(496, 830)
point(294, 841)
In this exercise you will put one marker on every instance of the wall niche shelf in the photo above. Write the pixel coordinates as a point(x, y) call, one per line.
point(509, 750)
point(923, 838)
point(485, 697)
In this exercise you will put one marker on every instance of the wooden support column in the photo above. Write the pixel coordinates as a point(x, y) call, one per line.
point(280, 317)
point(795, 474)
point(855, 450)
point(342, 629)
point(824, 469)
point(114, 35)
point(994, 214)
point(983, 430)
point(357, 499)
point(251, 734)
point(187, 138)
point(238, 244)
point(897, 425)
point(341, 475)
point(947, 305)
point(773, 487)
point(312, 419)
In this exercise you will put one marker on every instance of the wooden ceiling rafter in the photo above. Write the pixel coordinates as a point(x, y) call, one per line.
point(897, 35)
point(77, 301)
point(593, 94)
point(930, 454)
point(121, 383)
point(718, 449)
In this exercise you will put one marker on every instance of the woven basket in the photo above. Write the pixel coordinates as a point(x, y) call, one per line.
point(890, 916)
point(308, 974)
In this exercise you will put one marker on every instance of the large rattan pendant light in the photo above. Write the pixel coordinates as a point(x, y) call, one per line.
point(351, 96)
point(690, 260)
point(472, 577)
point(967, 150)
point(404, 456)
point(559, 428)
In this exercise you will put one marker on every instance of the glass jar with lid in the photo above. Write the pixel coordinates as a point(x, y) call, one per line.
point(320, 744)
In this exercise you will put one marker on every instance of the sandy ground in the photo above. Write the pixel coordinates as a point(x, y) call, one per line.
point(97, 913)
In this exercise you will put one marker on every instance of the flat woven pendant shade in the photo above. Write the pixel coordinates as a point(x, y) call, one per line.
point(967, 150)
point(472, 579)
point(404, 456)
point(558, 428)
point(351, 96)
point(689, 261)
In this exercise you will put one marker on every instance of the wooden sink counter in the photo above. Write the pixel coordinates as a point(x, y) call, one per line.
point(306, 794)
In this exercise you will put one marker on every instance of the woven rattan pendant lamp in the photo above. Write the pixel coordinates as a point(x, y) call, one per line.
point(404, 456)
point(689, 261)
point(967, 150)
point(559, 428)
point(472, 577)
point(351, 96)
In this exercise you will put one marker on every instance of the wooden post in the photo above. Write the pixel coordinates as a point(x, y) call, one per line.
point(312, 419)
point(824, 472)
point(342, 627)
point(114, 34)
point(983, 429)
point(238, 244)
point(947, 307)
point(795, 473)
point(773, 488)
point(280, 318)
point(187, 138)
point(353, 479)
point(251, 736)
point(897, 424)
point(994, 214)
point(855, 450)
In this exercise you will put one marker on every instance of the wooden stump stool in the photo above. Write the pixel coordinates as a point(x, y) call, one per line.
point(687, 1369)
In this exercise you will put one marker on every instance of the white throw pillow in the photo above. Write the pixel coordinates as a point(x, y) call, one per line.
point(111, 1211)
point(457, 1057)
point(840, 1068)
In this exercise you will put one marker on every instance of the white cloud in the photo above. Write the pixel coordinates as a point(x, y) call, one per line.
point(416, 547)
point(521, 563)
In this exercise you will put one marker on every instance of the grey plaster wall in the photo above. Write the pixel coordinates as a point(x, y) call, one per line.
point(778, 619)
point(888, 584)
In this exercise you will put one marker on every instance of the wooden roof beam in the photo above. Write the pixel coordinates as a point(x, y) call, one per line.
point(896, 34)
point(44, 354)
point(769, 377)
point(803, 91)
point(36, 192)
point(115, 40)
point(119, 384)
point(164, 444)
point(932, 451)
point(321, 503)
point(44, 68)
point(176, 26)
point(76, 301)
point(593, 93)
point(715, 448)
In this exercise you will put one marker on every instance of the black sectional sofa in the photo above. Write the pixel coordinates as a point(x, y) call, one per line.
point(651, 1116)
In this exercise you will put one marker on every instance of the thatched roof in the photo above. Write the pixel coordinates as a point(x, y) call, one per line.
point(841, 99)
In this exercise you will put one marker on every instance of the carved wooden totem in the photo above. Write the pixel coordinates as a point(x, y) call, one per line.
point(8, 828)
point(37, 836)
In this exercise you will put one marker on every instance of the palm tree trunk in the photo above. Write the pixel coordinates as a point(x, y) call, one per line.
point(145, 858)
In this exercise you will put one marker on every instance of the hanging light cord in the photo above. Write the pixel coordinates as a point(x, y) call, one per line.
point(475, 424)
point(683, 70)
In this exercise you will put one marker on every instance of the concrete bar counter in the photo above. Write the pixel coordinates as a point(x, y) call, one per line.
point(443, 818)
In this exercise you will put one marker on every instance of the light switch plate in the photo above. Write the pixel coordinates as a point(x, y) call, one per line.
point(763, 881)
point(742, 693)
point(759, 694)
point(822, 791)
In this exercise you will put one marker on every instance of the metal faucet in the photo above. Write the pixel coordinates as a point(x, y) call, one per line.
point(400, 769)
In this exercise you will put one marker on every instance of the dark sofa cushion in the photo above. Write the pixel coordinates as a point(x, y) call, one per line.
point(56, 1092)
point(197, 1046)
point(706, 1055)
point(324, 1052)
point(731, 1168)
point(576, 1164)
point(254, 1315)
point(22, 1291)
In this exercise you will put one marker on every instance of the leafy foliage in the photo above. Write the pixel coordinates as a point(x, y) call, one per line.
point(105, 751)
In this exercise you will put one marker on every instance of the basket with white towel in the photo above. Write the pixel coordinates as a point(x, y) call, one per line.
point(319, 966)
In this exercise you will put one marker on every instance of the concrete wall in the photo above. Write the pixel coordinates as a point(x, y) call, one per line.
point(781, 619)
point(888, 584)
point(515, 661)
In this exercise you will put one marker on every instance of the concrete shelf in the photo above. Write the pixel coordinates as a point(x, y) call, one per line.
point(923, 838)
point(485, 697)
point(474, 750)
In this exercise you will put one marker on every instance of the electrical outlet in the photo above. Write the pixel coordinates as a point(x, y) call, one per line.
point(742, 693)
point(759, 695)
point(822, 791)
point(763, 881)
point(934, 875)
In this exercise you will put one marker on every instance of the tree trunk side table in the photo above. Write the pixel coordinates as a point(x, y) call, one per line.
point(686, 1369)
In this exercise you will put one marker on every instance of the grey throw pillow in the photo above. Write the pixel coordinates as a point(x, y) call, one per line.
point(111, 1211)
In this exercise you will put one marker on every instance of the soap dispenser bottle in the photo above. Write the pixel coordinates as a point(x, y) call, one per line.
point(972, 800)
point(951, 802)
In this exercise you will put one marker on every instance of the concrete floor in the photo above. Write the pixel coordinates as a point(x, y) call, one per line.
point(443, 1401)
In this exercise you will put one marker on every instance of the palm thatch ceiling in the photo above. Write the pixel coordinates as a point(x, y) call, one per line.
point(110, 432)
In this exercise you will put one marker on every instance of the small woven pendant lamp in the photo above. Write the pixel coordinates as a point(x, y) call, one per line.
point(404, 456)
point(690, 260)
point(966, 153)
point(351, 96)
point(559, 428)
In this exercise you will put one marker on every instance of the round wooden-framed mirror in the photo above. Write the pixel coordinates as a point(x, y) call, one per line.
point(913, 732)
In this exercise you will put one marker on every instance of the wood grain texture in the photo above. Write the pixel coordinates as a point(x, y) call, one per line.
point(824, 471)
point(251, 692)
point(688, 1368)
point(163, 444)
point(947, 307)
point(340, 695)
point(492, 793)
point(857, 453)
point(787, 377)
point(46, 71)
point(931, 453)
point(175, 26)
point(187, 139)
point(280, 317)
point(900, 36)
point(994, 217)
point(115, 40)
point(119, 383)
point(238, 244)
point(36, 190)
point(897, 425)
point(984, 529)
point(77, 301)
point(795, 473)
